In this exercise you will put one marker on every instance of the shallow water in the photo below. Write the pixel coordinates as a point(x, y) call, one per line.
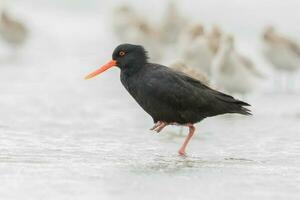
point(65, 138)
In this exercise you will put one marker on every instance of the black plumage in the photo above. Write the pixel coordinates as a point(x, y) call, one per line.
point(169, 96)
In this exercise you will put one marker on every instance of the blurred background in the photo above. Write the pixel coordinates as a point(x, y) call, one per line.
point(65, 138)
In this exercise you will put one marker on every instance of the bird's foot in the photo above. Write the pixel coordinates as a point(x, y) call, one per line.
point(181, 152)
point(159, 126)
point(156, 125)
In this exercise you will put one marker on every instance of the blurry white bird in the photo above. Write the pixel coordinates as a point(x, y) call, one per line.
point(124, 19)
point(214, 38)
point(132, 28)
point(144, 35)
point(194, 49)
point(172, 23)
point(280, 51)
point(194, 73)
point(12, 31)
point(231, 71)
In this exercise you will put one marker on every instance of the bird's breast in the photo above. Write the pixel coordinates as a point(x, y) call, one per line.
point(137, 86)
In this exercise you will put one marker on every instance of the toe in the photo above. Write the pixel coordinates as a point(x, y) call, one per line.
point(181, 152)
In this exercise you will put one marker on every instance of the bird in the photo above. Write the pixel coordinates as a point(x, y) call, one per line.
point(172, 23)
point(282, 52)
point(195, 50)
point(232, 71)
point(130, 26)
point(168, 96)
point(12, 31)
point(180, 65)
point(214, 37)
point(124, 19)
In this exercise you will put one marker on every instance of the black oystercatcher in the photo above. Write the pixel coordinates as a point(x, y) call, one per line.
point(169, 96)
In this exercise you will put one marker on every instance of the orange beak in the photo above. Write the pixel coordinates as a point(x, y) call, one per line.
point(103, 68)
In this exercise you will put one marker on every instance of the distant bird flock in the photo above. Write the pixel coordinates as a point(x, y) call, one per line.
point(210, 56)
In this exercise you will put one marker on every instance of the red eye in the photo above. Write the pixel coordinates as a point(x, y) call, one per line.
point(122, 53)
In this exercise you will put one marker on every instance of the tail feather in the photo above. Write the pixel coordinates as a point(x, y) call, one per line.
point(244, 111)
point(242, 103)
point(233, 105)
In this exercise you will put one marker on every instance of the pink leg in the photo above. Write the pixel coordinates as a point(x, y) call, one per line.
point(156, 125)
point(187, 139)
point(160, 127)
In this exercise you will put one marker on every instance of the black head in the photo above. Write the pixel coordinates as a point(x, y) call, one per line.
point(129, 56)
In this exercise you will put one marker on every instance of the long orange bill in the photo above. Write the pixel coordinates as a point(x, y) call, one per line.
point(103, 68)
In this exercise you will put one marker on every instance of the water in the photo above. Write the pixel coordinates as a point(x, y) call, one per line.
point(65, 138)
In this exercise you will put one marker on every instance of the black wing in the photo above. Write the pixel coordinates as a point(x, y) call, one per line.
point(182, 92)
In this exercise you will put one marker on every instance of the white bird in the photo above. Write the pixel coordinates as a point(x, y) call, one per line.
point(130, 27)
point(172, 24)
point(231, 71)
point(195, 50)
point(124, 20)
point(282, 52)
point(214, 38)
point(12, 31)
point(194, 73)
